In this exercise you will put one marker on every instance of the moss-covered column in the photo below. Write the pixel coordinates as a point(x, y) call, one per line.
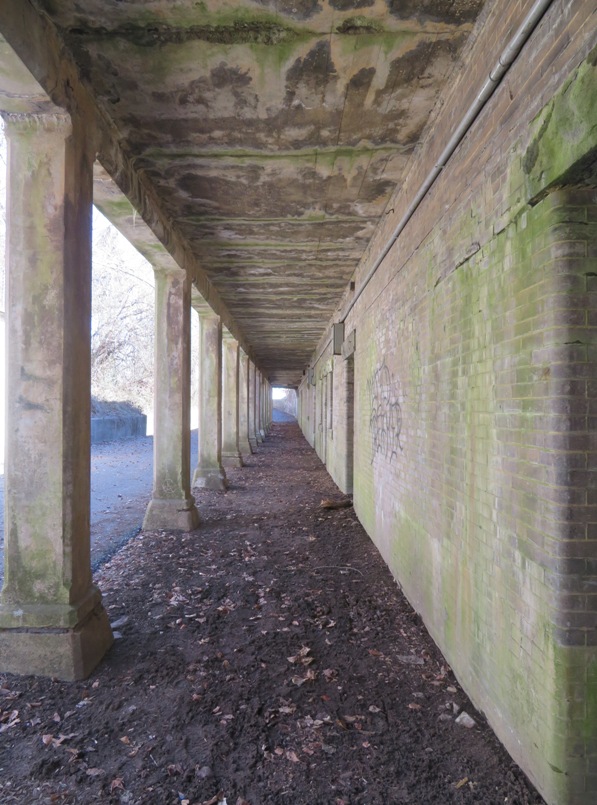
point(172, 505)
point(231, 456)
point(259, 407)
point(243, 405)
point(209, 473)
point(252, 426)
point(267, 395)
point(52, 621)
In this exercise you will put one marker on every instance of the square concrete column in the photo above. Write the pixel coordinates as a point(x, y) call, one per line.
point(243, 405)
point(262, 407)
point(268, 406)
point(252, 428)
point(172, 505)
point(258, 435)
point(52, 621)
point(231, 455)
point(209, 473)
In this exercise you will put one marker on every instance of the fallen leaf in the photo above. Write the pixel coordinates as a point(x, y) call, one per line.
point(292, 756)
point(462, 782)
point(328, 503)
point(414, 706)
point(409, 659)
point(352, 719)
point(298, 681)
point(94, 772)
point(117, 783)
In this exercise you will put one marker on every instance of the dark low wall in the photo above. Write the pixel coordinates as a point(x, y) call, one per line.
point(112, 428)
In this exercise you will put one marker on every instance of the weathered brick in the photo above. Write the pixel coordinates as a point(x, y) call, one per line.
point(492, 362)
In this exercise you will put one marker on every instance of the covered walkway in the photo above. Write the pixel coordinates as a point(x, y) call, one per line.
point(389, 206)
point(267, 657)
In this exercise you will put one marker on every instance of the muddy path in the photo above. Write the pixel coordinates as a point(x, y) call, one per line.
point(268, 657)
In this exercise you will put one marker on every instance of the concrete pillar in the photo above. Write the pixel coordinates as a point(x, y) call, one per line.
point(252, 427)
point(172, 505)
point(243, 405)
point(209, 473)
point(268, 404)
point(263, 419)
point(260, 433)
point(52, 621)
point(231, 456)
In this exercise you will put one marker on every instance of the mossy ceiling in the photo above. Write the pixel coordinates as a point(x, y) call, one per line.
point(273, 132)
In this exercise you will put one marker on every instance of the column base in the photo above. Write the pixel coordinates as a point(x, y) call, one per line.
point(253, 443)
point(15, 614)
point(210, 478)
point(175, 515)
point(246, 449)
point(232, 460)
point(67, 654)
point(263, 432)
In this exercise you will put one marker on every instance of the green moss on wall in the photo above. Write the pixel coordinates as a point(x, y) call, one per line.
point(562, 150)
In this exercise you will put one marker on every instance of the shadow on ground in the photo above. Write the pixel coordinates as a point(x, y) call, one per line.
point(267, 657)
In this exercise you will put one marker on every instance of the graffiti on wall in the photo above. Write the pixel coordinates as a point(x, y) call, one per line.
point(385, 421)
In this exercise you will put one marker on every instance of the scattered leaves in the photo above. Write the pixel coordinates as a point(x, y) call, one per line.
point(9, 719)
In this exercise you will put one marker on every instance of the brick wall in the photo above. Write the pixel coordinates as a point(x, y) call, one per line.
point(475, 380)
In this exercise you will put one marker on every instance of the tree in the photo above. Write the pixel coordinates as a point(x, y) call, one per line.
point(122, 319)
point(122, 326)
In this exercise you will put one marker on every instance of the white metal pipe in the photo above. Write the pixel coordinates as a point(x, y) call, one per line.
point(496, 75)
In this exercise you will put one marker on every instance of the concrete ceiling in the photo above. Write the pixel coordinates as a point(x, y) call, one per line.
point(273, 134)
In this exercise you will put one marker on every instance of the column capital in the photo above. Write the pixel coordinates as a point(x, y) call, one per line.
point(20, 123)
point(173, 271)
point(205, 312)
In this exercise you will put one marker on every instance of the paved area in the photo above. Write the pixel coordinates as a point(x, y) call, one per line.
point(121, 481)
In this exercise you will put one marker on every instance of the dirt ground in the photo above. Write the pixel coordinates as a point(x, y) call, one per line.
point(268, 657)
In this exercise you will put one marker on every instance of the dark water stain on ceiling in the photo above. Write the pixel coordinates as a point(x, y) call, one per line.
point(273, 133)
